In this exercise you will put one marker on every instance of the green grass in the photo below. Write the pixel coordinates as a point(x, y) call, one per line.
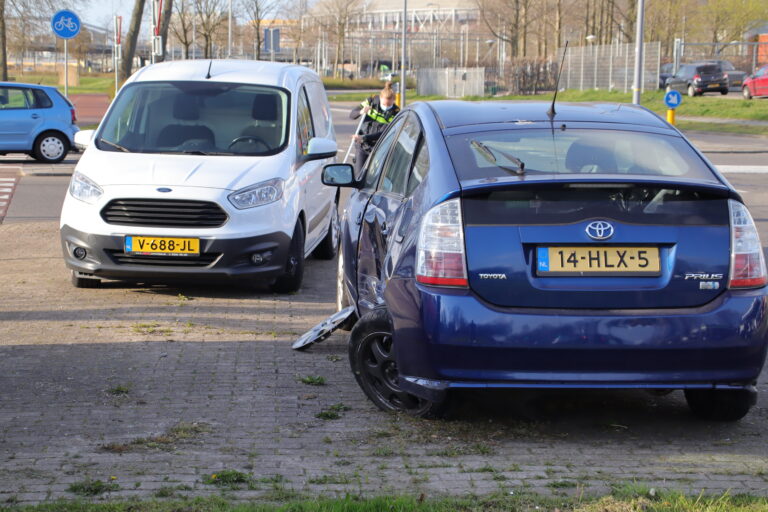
point(285, 501)
point(89, 83)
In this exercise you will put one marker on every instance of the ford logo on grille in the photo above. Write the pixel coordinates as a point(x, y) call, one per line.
point(599, 230)
point(164, 189)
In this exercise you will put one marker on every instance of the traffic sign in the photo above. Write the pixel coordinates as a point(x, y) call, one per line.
point(65, 24)
point(673, 99)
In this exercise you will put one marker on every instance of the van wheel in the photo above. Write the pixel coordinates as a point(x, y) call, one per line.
point(746, 93)
point(50, 147)
point(330, 245)
point(83, 282)
point(373, 365)
point(293, 274)
point(720, 404)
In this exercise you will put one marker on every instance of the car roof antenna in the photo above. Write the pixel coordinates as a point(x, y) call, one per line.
point(208, 75)
point(551, 112)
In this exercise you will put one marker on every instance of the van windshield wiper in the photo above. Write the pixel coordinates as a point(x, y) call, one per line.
point(114, 145)
point(489, 155)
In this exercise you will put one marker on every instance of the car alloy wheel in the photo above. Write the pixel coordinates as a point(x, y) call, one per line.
point(691, 91)
point(746, 93)
point(373, 364)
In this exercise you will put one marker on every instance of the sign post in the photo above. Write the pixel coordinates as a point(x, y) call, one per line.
point(65, 25)
point(672, 100)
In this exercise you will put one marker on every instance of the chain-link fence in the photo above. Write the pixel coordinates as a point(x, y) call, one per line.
point(451, 82)
point(609, 66)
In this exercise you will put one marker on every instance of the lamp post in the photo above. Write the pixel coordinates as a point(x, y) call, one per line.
point(402, 59)
point(591, 39)
point(637, 83)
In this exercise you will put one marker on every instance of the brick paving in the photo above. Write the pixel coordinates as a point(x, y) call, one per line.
point(95, 383)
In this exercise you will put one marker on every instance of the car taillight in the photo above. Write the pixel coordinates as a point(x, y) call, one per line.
point(440, 258)
point(696, 78)
point(747, 262)
point(74, 116)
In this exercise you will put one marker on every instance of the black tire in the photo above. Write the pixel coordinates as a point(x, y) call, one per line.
point(373, 365)
point(746, 93)
point(720, 404)
point(83, 282)
point(50, 147)
point(691, 91)
point(293, 275)
point(330, 245)
point(723, 91)
point(342, 300)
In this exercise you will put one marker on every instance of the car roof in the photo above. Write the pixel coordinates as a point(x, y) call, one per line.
point(23, 84)
point(231, 71)
point(454, 113)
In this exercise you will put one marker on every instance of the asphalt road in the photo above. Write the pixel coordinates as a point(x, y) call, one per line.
point(154, 388)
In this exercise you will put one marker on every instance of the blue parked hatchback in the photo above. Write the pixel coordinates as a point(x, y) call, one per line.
point(487, 246)
point(37, 120)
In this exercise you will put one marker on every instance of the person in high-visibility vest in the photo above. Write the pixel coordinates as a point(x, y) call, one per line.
point(379, 111)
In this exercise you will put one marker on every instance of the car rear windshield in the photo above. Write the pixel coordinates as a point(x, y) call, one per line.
point(197, 118)
point(709, 70)
point(574, 151)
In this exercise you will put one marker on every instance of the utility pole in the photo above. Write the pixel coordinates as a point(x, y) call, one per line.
point(402, 59)
point(229, 31)
point(637, 84)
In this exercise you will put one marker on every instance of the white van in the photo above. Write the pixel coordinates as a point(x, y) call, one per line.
point(205, 169)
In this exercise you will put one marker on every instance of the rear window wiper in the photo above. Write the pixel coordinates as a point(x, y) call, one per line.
point(114, 145)
point(488, 154)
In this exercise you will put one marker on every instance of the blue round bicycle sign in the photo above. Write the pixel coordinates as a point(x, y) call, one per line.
point(65, 24)
point(673, 99)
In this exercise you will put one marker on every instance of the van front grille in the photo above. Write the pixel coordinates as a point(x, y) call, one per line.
point(164, 213)
point(203, 260)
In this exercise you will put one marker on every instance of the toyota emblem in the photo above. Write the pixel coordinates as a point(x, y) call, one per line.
point(599, 230)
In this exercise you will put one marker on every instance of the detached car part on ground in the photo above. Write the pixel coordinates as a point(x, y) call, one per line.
point(487, 246)
point(205, 170)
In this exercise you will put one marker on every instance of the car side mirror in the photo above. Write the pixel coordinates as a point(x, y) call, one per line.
point(319, 148)
point(84, 138)
point(339, 175)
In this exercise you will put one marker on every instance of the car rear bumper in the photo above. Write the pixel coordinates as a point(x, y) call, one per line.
point(220, 259)
point(450, 339)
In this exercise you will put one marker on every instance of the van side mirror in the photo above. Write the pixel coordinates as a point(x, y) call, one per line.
point(339, 175)
point(319, 148)
point(83, 138)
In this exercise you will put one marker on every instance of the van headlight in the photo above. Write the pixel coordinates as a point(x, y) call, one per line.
point(257, 195)
point(83, 188)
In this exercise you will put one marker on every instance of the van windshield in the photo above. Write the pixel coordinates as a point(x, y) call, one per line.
point(197, 118)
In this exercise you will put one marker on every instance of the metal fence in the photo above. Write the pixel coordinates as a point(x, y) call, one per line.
point(745, 56)
point(451, 82)
point(609, 66)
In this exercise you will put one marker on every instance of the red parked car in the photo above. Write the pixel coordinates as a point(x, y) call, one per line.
point(756, 85)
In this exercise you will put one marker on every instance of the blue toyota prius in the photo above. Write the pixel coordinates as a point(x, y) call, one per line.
point(499, 245)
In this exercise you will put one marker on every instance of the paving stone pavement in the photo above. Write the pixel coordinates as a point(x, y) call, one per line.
point(162, 386)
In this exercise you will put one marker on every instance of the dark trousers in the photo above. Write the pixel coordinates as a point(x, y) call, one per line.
point(361, 155)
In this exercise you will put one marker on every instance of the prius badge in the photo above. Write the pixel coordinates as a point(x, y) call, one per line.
point(599, 230)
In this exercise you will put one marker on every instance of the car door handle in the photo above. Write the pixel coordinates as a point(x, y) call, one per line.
point(35, 116)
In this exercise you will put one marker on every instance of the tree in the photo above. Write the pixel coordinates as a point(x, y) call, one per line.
point(210, 14)
point(334, 17)
point(165, 23)
point(258, 11)
point(131, 38)
point(182, 24)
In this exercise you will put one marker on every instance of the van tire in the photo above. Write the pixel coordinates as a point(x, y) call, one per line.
point(330, 245)
point(293, 273)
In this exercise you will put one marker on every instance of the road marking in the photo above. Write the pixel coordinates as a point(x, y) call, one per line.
point(743, 169)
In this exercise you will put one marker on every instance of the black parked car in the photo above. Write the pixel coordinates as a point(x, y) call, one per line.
point(665, 72)
point(696, 79)
point(734, 76)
